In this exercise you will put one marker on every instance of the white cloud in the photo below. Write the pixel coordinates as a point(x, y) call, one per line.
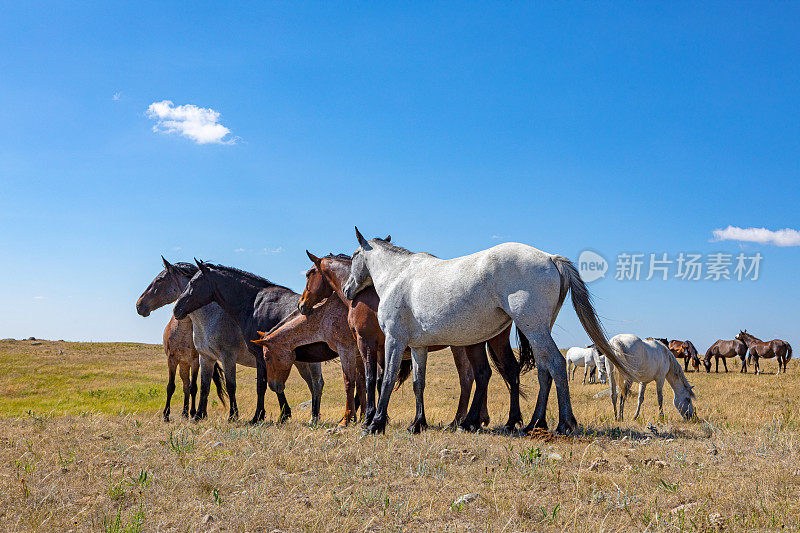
point(781, 237)
point(38, 297)
point(200, 124)
point(277, 250)
point(239, 250)
point(116, 96)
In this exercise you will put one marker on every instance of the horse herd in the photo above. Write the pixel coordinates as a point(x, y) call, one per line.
point(381, 310)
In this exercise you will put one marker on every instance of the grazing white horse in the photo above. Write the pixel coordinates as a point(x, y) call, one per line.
point(647, 360)
point(584, 358)
point(426, 301)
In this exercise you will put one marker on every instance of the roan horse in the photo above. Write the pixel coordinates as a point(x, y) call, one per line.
point(781, 350)
point(328, 324)
point(329, 275)
point(426, 301)
point(722, 349)
point(650, 360)
point(255, 304)
point(685, 350)
point(213, 333)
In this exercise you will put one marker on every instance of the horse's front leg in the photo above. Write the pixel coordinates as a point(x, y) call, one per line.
point(419, 358)
point(503, 355)
point(369, 354)
point(187, 387)
point(394, 349)
point(312, 375)
point(195, 365)
point(261, 390)
point(466, 377)
point(173, 366)
point(206, 371)
point(350, 376)
point(482, 371)
point(229, 366)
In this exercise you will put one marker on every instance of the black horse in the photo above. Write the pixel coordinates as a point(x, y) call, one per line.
point(256, 304)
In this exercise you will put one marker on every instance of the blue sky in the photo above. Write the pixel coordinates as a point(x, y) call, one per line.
point(451, 126)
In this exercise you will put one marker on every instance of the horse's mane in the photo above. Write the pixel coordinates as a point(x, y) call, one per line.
point(399, 249)
point(249, 276)
point(753, 337)
point(341, 257)
point(186, 269)
point(675, 368)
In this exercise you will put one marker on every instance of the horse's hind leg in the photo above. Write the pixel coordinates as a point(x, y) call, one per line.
point(312, 375)
point(482, 371)
point(466, 377)
point(394, 349)
point(369, 354)
point(419, 357)
point(350, 375)
point(173, 365)
point(660, 396)
point(724, 364)
point(550, 359)
point(640, 400)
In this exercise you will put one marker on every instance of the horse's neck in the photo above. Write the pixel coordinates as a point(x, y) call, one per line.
point(297, 330)
point(749, 340)
point(384, 267)
point(237, 298)
point(674, 379)
point(337, 277)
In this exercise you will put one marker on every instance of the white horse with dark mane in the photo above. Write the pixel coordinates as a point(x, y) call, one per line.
point(647, 360)
point(583, 358)
point(426, 301)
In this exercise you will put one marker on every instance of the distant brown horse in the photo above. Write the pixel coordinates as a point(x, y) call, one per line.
point(327, 324)
point(329, 275)
point(723, 350)
point(685, 350)
point(777, 348)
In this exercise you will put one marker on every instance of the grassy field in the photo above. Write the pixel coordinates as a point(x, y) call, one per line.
point(83, 448)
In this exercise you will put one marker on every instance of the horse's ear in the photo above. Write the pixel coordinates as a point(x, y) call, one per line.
point(314, 258)
point(260, 342)
point(388, 238)
point(167, 264)
point(201, 265)
point(361, 240)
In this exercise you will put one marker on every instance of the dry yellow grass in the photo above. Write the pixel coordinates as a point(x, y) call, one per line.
point(82, 447)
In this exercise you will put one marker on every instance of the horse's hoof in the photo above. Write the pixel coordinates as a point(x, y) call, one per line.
point(166, 418)
point(470, 426)
point(417, 427)
point(376, 427)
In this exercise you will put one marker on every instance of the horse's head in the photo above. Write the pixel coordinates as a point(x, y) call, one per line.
point(742, 335)
point(165, 288)
point(683, 402)
point(198, 293)
point(279, 363)
point(707, 362)
point(360, 277)
point(317, 287)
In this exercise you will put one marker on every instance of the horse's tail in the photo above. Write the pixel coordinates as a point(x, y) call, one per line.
point(218, 376)
point(788, 351)
point(526, 359)
point(405, 371)
point(497, 363)
point(582, 302)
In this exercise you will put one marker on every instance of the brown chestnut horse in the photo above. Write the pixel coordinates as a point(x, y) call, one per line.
point(723, 350)
point(777, 348)
point(685, 350)
point(327, 324)
point(329, 275)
